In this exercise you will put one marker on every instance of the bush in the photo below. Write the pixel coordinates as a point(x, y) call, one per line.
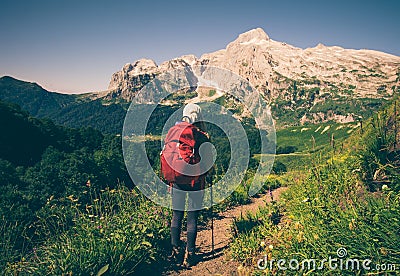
point(279, 167)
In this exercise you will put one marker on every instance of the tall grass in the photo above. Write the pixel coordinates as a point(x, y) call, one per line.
point(332, 205)
point(327, 210)
point(380, 150)
point(118, 233)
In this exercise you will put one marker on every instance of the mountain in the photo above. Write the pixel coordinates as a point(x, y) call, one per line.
point(32, 97)
point(310, 85)
point(24, 138)
point(302, 86)
point(68, 110)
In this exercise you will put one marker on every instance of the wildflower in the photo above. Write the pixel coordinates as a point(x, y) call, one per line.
point(297, 225)
point(71, 197)
point(99, 226)
point(385, 187)
point(262, 244)
point(306, 200)
point(300, 236)
point(271, 247)
point(352, 224)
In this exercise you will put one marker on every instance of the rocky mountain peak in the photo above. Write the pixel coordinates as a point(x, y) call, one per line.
point(320, 46)
point(183, 61)
point(255, 35)
point(303, 81)
point(143, 65)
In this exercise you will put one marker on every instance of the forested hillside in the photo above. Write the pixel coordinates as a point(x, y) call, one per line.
point(68, 110)
point(40, 160)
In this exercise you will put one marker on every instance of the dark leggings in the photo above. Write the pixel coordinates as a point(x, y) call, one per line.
point(177, 217)
point(194, 204)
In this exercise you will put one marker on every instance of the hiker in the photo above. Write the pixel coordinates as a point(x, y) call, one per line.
point(192, 133)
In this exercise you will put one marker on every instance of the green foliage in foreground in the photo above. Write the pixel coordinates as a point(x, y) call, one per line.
point(118, 230)
point(379, 155)
point(326, 210)
point(42, 162)
point(39, 159)
point(350, 201)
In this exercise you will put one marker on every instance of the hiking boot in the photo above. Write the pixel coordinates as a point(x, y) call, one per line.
point(189, 259)
point(176, 255)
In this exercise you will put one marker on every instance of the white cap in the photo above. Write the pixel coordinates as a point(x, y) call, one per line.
point(193, 112)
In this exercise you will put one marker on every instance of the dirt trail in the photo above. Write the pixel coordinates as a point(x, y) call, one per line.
point(219, 263)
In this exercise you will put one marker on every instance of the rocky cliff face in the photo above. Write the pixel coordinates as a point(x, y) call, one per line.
point(313, 84)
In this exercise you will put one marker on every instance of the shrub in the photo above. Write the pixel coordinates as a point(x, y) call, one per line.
point(279, 167)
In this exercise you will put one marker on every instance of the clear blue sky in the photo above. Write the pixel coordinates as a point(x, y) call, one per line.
point(75, 46)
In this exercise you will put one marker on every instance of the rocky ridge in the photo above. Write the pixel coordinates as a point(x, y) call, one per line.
point(302, 83)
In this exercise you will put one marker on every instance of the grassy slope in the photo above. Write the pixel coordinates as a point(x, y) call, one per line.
point(309, 139)
point(328, 206)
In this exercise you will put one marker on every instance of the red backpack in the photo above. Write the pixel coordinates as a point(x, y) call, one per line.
point(178, 153)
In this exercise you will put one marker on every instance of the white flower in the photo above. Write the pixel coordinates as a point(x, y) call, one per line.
point(385, 187)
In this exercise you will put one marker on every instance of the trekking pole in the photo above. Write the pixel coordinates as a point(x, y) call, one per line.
point(212, 220)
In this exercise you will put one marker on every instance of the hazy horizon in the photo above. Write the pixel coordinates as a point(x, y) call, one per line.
point(74, 47)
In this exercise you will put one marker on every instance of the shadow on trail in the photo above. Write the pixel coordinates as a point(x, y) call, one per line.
point(210, 255)
point(166, 268)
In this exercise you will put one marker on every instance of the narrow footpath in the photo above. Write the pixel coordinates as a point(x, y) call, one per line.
point(219, 263)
